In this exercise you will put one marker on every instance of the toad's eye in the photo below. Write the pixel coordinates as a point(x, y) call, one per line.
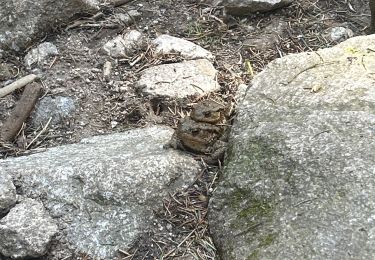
point(195, 132)
point(207, 114)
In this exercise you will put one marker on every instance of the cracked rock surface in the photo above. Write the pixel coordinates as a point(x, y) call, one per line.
point(27, 230)
point(102, 191)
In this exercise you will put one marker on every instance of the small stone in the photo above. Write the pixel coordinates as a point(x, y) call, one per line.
point(107, 68)
point(26, 231)
point(268, 37)
point(166, 44)
point(123, 46)
point(128, 17)
point(57, 108)
point(341, 33)
point(40, 54)
point(114, 124)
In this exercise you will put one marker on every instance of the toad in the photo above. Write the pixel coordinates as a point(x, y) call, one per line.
point(204, 132)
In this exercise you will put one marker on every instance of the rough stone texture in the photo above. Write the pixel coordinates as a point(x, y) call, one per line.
point(299, 181)
point(340, 33)
point(124, 46)
point(127, 18)
point(179, 80)
point(267, 37)
point(27, 230)
point(23, 21)
point(166, 44)
point(8, 195)
point(245, 7)
point(40, 53)
point(57, 108)
point(103, 190)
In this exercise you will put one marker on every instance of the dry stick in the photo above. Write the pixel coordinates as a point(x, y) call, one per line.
point(21, 112)
point(17, 84)
point(41, 132)
point(117, 3)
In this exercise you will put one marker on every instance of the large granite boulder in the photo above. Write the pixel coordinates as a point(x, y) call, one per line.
point(103, 190)
point(23, 21)
point(300, 176)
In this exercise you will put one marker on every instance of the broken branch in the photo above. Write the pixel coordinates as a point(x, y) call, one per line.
point(21, 112)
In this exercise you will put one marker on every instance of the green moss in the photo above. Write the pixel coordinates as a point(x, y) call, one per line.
point(254, 255)
point(256, 208)
point(236, 197)
point(267, 240)
point(258, 157)
point(261, 159)
point(251, 211)
point(264, 242)
point(341, 193)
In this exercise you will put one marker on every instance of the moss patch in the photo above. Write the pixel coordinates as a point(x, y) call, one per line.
point(250, 211)
point(267, 240)
point(256, 208)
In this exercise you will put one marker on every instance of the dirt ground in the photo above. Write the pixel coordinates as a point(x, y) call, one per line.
point(114, 106)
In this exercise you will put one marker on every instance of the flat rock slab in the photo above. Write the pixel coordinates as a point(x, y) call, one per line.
point(299, 181)
point(179, 80)
point(103, 190)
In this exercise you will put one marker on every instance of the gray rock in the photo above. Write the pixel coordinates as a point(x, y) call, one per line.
point(26, 231)
point(245, 7)
point(340, 33)
point(166, 44)
point(39, 54)
point(8, 196)
point(124, 46)
point(179, 80)
point(299, 176)
point(103, 190)
point(127, 18)
point(57, 108)
point(268, 36)
point(23, 21)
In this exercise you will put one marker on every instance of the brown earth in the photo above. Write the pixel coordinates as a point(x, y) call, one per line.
point(106, 107)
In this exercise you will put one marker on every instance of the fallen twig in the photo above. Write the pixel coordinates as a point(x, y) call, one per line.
point(41, 132)
point(21, 112)
point(17, 84)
